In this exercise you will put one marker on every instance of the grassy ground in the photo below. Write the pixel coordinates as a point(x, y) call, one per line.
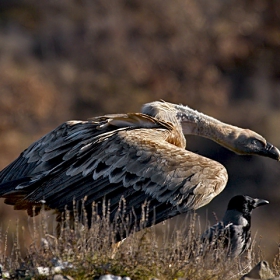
point(173, 253)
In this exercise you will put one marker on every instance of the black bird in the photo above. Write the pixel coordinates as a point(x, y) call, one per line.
point(235, 228)
point(136, 156)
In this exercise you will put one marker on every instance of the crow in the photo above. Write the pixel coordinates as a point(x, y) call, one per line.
point(235, 228)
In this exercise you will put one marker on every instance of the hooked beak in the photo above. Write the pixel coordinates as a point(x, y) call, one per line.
point(259, 202)
point(271, 151)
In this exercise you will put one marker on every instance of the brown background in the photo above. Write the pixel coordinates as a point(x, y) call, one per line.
point(62, 60)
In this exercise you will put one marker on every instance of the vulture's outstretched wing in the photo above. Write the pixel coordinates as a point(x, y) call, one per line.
point(133, 156)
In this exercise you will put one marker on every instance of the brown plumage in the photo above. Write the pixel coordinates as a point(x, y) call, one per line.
point(138, 156)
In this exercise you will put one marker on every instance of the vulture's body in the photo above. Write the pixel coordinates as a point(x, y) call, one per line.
point(139, 157)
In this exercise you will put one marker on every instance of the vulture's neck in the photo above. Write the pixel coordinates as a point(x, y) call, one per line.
point(194, 122)
point(197, 123)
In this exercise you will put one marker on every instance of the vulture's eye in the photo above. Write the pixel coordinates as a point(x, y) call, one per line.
point(255, 142)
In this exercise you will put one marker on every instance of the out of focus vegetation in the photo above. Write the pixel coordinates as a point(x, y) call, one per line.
point(86, 254)
point(62, 60)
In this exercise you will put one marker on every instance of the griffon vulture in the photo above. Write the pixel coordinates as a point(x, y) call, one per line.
point(139, 157)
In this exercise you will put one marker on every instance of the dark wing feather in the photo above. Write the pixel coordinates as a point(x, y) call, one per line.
point(215, 233)
point(236, 238)
point(240, 238)
point(126, 156)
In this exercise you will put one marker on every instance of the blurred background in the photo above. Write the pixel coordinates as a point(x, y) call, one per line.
point(75, 59)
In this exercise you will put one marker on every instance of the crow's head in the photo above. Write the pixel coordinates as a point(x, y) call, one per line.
point(245, 204)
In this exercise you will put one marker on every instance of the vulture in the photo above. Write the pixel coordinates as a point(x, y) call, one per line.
point(235, 228)
point(136, 157)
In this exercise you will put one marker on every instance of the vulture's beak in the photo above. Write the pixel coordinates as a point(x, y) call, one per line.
point(271, 151)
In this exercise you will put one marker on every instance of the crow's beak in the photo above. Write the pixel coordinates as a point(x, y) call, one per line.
point(259, 202)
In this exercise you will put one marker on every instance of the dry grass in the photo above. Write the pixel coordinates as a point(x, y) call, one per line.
point(175, 252)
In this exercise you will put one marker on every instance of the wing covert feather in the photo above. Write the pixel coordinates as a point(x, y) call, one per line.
point(105, 157)
point(148, 164)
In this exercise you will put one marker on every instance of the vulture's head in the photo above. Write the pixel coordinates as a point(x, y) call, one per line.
point(248, 142)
